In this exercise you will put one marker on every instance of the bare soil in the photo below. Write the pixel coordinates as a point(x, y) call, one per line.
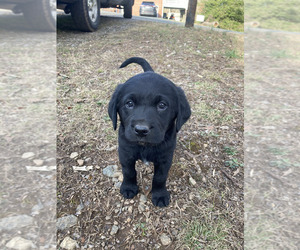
point(209, 67)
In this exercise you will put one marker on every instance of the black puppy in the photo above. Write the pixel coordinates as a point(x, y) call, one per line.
point(152, 110)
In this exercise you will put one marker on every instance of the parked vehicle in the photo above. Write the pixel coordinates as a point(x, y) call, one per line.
point(86, 13)
point(148, 9)
point(41, 14)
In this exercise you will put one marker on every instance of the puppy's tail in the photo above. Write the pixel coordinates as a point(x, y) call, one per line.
point(141, 61)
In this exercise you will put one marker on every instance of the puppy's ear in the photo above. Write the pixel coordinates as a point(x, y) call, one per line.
point(184, 110)
point(113, 106)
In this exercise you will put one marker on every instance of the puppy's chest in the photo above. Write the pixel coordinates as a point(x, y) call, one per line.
point(148, 155)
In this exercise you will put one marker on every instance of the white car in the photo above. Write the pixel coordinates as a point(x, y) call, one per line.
point(41, 14)
point(86, 13)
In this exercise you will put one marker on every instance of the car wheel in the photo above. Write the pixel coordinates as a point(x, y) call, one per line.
point(41, 14)
point(86, 14)
point(128, 9)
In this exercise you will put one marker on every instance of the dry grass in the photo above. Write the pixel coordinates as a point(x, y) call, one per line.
point(207, 215)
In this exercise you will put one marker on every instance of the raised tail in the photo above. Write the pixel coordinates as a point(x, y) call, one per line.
point(141, 61)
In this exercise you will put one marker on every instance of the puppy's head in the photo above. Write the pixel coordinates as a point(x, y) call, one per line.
point(148, 105)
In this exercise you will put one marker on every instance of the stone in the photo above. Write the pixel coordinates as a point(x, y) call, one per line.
point(143, 198)
point(73, 155)
point(38, 162)
point(28, 155)
point(36, 209)
point(68, 243)
point(192, 181)
point(110, 170)
point(20, 243)
point(15, 222)
point(114, 230)
point(165, 240)
point(80, 162)
point(141, 207)
point(66, 222)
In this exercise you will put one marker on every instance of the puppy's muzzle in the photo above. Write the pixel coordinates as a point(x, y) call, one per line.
point(141, 130)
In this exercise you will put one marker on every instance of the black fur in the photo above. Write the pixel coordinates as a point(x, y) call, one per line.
point(152, 110)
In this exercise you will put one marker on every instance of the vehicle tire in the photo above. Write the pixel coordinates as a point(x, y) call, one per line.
point(128, 9)
point(41, 14)
point(86, 14)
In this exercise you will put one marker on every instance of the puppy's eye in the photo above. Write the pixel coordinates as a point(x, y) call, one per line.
point(129, 104)
point(162, 106)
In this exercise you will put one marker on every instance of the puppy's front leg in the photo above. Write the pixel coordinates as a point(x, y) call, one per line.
point(129, 187)
point(160, 194)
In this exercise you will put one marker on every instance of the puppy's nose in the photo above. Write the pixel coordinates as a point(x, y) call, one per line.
point(141, 130)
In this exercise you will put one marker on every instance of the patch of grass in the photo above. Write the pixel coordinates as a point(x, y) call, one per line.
point(281, 163)
point(279, 54)
point(230, 150)
point(232, 54)
point(233, 163)
point(277, 151)
point(208, 113)
point(258, 235)
point(208, 86)
point(141, 226)
point(206, 233)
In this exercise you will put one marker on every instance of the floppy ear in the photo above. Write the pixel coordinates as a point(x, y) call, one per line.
point(184, 110)
point(113, 106)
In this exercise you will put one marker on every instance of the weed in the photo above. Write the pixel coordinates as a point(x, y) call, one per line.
point(230, 150)
point(232, 54)
point(233, 163)
point(281, 163)
point(277, 151)
point(280, 54)
point(206, 233)
point(142, 227)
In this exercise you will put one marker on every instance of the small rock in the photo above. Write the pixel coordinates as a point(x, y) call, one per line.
point(143, 198)
point(107, 217)
point(15, 222)
point(38, 162)
point(120, 178)
point(114, 230)
point(192, 181)
point(130, 208)
point(66, 222)
point(110, 170)
point(82, 168)
point(28, 155)
point(68, 243)
point(141, 207)
point(73, 155)
point(117, 174)
point(79, 209)
point(118, 184)
point(165, 240)
point(80, 162)
point(36, 209)
point(20, 243)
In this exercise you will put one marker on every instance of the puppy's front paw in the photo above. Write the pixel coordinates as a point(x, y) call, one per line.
point(161, 198)
point(129, 191)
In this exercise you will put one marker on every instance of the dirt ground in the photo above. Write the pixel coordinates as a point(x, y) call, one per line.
point(206, 178)
point(27, 134)
point(272, 140)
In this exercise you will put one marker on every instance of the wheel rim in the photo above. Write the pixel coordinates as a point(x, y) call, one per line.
point(93, 10)
point(53, 8)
